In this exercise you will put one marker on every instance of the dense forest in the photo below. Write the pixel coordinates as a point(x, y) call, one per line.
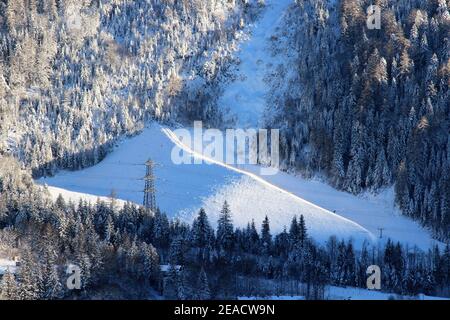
point(369, 108)
point(122, 253)
point(77, 75)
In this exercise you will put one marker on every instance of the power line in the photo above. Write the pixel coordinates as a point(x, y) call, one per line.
point(381, 232)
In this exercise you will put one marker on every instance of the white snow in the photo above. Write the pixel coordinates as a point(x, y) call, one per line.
point(179, 188)
point(253, 198)
point(7, 265)
point(350, 293)
point(245, 97)
point(75, 197)
point(371, 211)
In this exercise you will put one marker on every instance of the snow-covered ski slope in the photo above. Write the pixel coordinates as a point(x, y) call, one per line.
point(183, 189)
point(377, 214)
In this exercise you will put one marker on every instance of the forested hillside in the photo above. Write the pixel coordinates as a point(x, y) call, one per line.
point(131, 252)
point(370, 108)
point(365, 108)
point(76, 75)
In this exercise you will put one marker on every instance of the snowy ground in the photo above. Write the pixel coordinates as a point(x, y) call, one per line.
point(245, 97)
point(372, 211)
point(7, 265)
point(349, 293)
point(180, 188)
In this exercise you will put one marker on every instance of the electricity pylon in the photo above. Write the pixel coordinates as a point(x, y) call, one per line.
point(149, 190)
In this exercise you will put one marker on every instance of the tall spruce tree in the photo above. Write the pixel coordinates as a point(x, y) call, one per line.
point(225, 230)
point(202, 289)
point(266, 237)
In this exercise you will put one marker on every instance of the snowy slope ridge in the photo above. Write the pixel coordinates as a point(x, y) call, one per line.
point(301, 202)
point(369, 212)
point(183, 189)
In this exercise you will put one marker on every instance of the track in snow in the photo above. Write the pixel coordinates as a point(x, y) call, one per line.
point(245, 97)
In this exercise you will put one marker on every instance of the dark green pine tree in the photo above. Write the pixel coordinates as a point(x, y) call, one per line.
point(170, 284)
point(201, 230)
point(302, 231)
point(30, 275)
point(254, 236)
point(363, 263)
point(282, 243)
point(160, 232)
point(109, 229)
point(266, 237)
point(51, 283)
point(8, 287)
point(203, 292)
point(341, 264)
point(176, 252)
point(293, 231)
point(350, 265)
point(251, 239)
